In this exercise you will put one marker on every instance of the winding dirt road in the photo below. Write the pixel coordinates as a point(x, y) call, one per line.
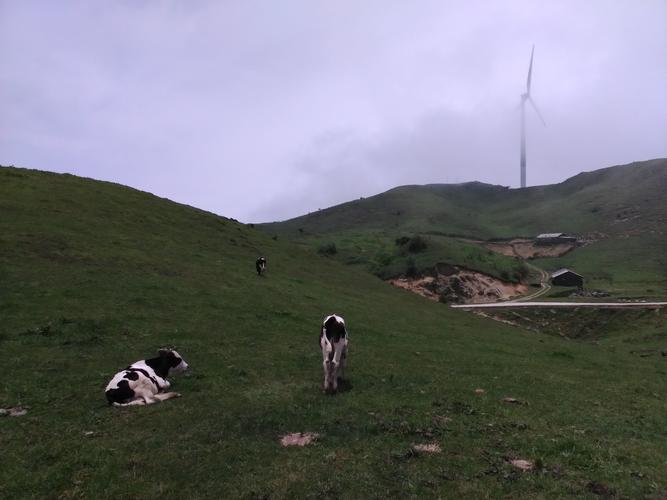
point(545, 286)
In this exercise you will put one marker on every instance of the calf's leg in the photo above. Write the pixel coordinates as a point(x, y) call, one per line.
point(163, 396)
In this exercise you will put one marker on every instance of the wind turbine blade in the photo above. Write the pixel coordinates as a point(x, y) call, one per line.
point(537, 110)
point(530, 71)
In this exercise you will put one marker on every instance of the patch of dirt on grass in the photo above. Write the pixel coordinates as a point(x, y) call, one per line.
point(461, 286)
point(600, 489)
point(427, 448)
point(16, 411)
point(527, 249)
point(298, 438)
point(524, 465)
point(514, 401)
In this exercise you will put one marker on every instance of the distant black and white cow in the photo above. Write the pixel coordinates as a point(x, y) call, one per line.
point(144, 382)
point(333, 341)
point(260, 265)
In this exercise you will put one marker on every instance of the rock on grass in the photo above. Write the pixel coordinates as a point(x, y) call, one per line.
point(298, 438)
point(16, 411)
point(524, 465)
point(427, 448)
point(514, 401)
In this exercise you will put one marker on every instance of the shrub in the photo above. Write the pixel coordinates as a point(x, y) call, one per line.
point(384, 259)
point(521, 274)
point(417, 244)
point(328, 249)
point(411, 267)
point(413, 245)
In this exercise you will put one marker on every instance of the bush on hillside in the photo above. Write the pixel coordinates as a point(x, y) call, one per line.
point(417, 244)
point(411, 268)
point(328, 249)
point(521, 274)
point(384, 259)
point(517, 276)
point(413, 245)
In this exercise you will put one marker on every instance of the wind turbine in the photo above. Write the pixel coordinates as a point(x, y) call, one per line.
point(526, 97)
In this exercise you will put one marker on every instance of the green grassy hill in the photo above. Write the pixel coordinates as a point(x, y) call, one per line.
point(95, 275)
point(615, 200)
point(620, 209)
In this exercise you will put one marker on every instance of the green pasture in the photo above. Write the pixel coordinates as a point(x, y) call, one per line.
point(94, 276)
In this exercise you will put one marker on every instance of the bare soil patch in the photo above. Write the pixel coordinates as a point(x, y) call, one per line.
point(298, 438)
point(461, 286)
point(16, 411)
point(427, 448)
point(514, 401)
point(524, 465)
point(527, 249)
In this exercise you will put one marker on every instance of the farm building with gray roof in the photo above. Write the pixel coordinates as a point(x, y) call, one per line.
point(554, 239)
point(565, 277)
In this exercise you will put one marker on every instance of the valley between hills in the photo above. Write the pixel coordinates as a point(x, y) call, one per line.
point(618, 216)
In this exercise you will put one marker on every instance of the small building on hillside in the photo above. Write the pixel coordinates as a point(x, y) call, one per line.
point(565, 277)
point(554, 239)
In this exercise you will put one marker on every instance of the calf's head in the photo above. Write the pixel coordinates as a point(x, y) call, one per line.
point(174, 361)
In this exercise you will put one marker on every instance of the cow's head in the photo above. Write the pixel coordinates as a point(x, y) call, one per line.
point(176, 362)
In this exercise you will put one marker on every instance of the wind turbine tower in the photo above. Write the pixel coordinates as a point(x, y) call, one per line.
point(526, 97)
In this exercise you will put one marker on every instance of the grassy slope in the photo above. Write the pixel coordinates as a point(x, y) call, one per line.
point(639, 331)
point(94, 276)
point(590, 201)
point(378, 252)
point(634, 267)
point(625, 204)
point(365, 231)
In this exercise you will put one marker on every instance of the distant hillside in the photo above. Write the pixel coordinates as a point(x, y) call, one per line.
point(623, 199)
point(621, 209)
point(94, 276)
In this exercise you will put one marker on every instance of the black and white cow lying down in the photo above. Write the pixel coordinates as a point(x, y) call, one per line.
point(144, 382)
point(333, 341)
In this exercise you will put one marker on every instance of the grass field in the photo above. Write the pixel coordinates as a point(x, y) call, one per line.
point(634, 266)
point(94, 276)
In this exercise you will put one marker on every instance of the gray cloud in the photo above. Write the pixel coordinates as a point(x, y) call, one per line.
point(266, 110)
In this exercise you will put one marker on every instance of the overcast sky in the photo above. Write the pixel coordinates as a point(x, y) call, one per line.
point(265, 110)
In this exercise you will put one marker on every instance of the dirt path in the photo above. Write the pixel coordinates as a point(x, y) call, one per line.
point(545, 286)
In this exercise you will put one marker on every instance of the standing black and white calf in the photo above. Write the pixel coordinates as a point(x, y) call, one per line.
point(144, 382)
point(333, 341)
point(260, 265)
